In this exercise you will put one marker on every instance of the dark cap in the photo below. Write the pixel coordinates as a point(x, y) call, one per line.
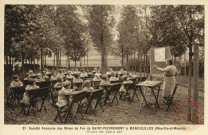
point(15, 76)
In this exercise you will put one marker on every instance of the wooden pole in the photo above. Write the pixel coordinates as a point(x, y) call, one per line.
point(190, 83)
point(60, 59)
point(196, 77)
point(144, 65)
point(134, 62)
point(87, 59)
point(54, 60)
point(80, 63)
point(41, 59)
point(84, 61)
point(185, 65)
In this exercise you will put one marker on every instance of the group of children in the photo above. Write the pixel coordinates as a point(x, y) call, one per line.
point(66, 78)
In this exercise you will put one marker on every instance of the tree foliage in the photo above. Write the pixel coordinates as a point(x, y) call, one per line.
point(74, 31)
point(100, 22)
point(177, 26)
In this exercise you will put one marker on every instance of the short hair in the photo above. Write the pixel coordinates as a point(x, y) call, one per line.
point(31, 81)
point(59, 79)
point(124, 78)
point(86, 83)
point(76, 75)
point(66, 84)
point(15, 77)
point(170, 62)
point(30, 71)
point(104, 77)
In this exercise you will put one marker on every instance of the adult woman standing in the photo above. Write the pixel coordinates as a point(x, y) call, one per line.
point(169, 80)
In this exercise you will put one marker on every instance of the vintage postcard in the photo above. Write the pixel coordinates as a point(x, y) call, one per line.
point(103, 67)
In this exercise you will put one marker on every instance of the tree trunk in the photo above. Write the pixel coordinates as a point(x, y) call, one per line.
point(60, 59)
point(54, 61)
point(84, 61)
point(87, 59)
point(69, 65)
point(33, 62)
point(196, 77)
point(23, 66)
point(144, 65)
point(127, 62)
point(68, 61)
point(134, 62)
point(6, 59)
point(103, 57)
point(106, 59)
point(34, 65)
point(147, 69)
point(122, 57)
point(10, 60)
point(41, 55)
point(140, 66)
point(80, 63)
point(45, 59)
point(103, 65)
point(190, 83)
point(180, 64)
point(185, 65)
point(57, 59)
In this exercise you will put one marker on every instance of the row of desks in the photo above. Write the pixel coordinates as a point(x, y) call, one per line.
point(153, 85)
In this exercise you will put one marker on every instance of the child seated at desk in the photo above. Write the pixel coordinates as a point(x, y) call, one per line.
point(123, 89)
point(39, 78)
point(131, 75)
point(16, 82)
point(94, 70)
point(53, 76)
point(96, 78)
point(59, 83)
point(98, 72)
point(69, 75)
point(83, 74)
point(76, 80)
point(113, 77)
point(86, 86)
point(62, 99)
point(26, 99)
point(45, 77)
point(104, 81)
point(121, 71)
point(60, 74)
point(109, 72)
point(29, 75)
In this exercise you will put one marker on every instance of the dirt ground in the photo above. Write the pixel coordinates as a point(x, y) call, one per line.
point(123, 113)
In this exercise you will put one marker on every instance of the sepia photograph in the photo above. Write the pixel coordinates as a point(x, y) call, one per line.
point(104, 64)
